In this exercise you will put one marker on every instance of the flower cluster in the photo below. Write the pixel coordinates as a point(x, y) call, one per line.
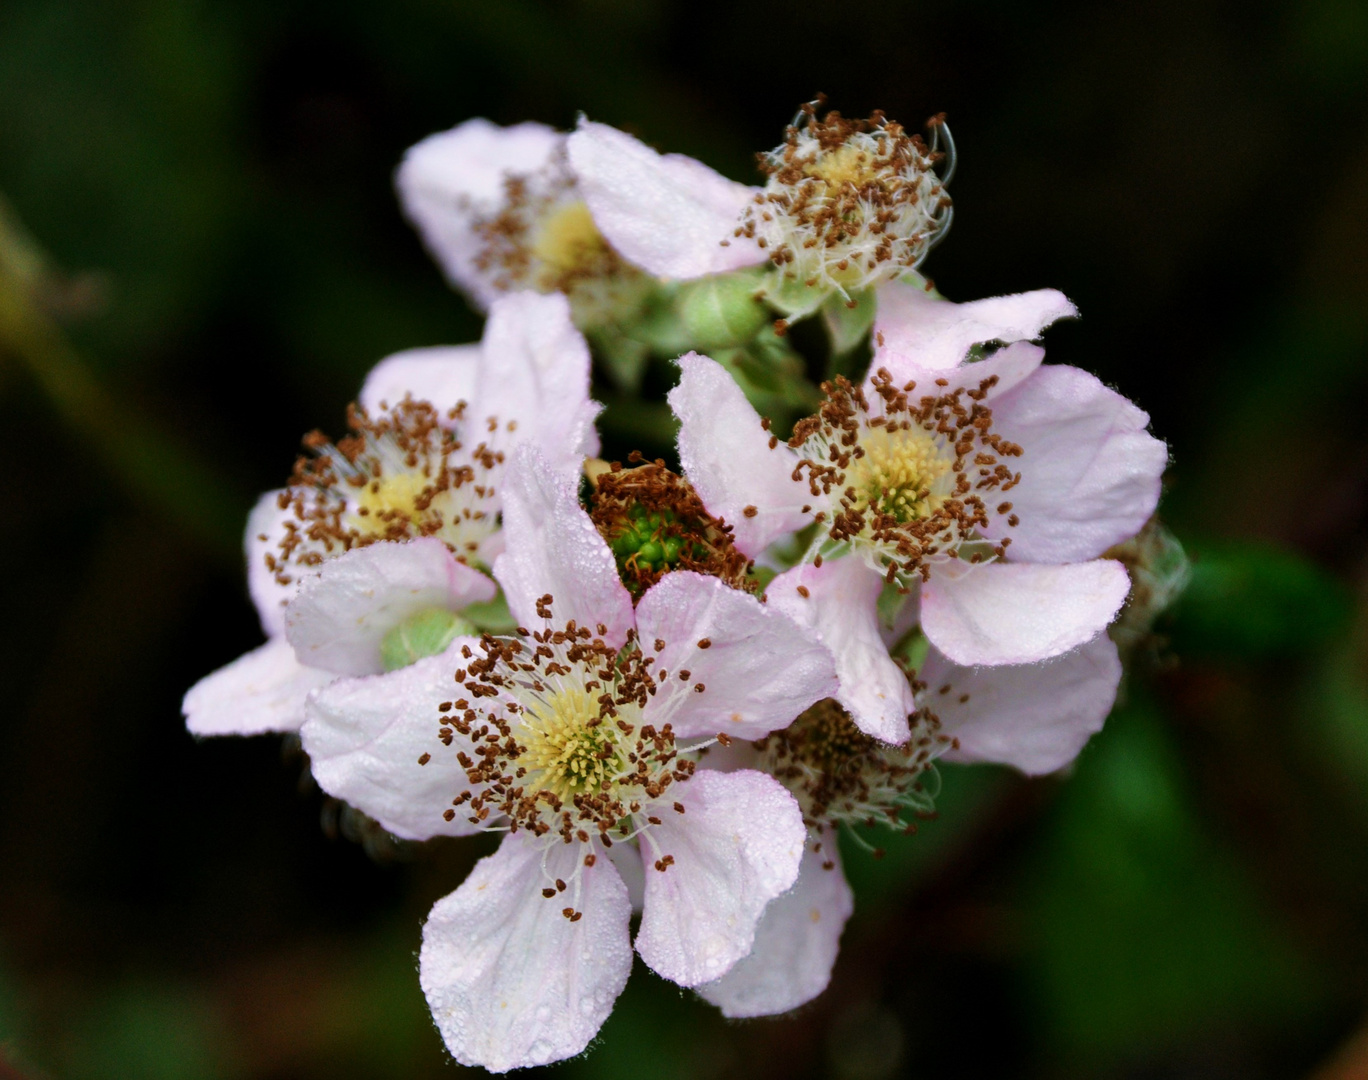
point(671, 690)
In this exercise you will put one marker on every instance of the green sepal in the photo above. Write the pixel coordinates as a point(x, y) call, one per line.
point(425, 633)
point(723, 310)
point(491, 616)
point(791, 298)
point(846, 325)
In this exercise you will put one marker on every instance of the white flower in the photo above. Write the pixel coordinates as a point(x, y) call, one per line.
point(1035, 717)
point(574, 738)
point(990, 488)
point(365, 560)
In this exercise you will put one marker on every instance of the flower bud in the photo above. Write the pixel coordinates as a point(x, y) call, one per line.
point(425, 633)
point(722, 310)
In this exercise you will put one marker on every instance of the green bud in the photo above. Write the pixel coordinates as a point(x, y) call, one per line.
point(722, 310)
point(425, 633)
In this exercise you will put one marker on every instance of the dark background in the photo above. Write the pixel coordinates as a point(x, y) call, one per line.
point(211, 182)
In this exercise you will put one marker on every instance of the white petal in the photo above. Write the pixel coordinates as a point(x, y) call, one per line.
point(727, 457)
point(1018, 613)
point(841, 607)
point(339, 617)
point(1035, 717)
point(553, 547)
point(668, 214)
point(510, 980)
point(917, 329)
point(759, 671)
point(260, 691)
point(442, 375)
point(1090, 472)
point(736, 847)
point(795, 944)
point(452, 179)
point(533, 380)
point(265, 530)
point(1009, 366)
point(365, 737)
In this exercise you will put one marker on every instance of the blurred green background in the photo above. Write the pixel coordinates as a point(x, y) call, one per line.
point(211, 183)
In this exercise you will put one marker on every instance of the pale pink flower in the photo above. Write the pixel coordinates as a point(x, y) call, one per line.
point(392, 525)
point(575, 739)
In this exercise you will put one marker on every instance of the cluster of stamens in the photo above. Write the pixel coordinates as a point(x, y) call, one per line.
point(402, 474)
point(910, 481)
point(847, 203)
point(654, 522)
point(556, 742)
point(838, 774)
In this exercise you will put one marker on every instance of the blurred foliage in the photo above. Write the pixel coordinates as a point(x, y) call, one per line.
point(215, 257)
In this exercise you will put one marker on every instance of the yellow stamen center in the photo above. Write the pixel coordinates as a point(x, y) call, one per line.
point(901, 475)
point(568, 239)
point(569, 749)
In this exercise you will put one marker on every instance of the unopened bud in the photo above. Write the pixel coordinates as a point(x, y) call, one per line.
point(425, 633)
point(722, 310)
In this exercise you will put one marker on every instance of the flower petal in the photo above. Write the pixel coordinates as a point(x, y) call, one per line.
point(841, 607)
point(759, 671)
point(265, 530)
point(735, 848)
point(442, 375)
point(533, 381)
point(260, 691)
point(727, 457)
point(365, 737)
point(917, 329)
point(668, 214)
point(1035, 717)
point(1090, 472)
point(1018, 613)
point(553, 547)
point(510, 980)
point(1009, 366)
point(795, 944)
point(451, 180)
point(339, 617)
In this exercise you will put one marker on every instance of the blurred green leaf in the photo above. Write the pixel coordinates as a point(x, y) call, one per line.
point(152, 1032)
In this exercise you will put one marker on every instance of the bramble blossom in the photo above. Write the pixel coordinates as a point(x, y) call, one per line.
point(365, 561)
point(578, 738)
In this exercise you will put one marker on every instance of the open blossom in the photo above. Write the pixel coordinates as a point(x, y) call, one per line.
point(988, 489)
point(578, 738)
point(366, 559)
point(500, 210)
point(1034, 717)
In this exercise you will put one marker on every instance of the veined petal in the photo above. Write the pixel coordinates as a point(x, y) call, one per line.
point(260, 691)
point(915, 329)
point(668, 214)
point(1018, 613)
point(841, 607)
point(795, 944)
point(727, 457)
point(553, 547)
point(759, 670)
point(1035, 717)
point(265, 530)
point(510, 980)
point(365, 738)
point(450, 180)
point(441, 375)
point(533, 380)
point(735, 848)
point(1090, 472)
point(339, 617)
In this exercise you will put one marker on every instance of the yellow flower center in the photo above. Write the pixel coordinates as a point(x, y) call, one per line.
point(902, 474)
point(569, 241)
point(570, 749)
point(389, 499)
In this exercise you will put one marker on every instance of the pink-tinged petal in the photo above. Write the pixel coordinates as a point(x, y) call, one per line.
point(841, 608)
point(1090, 472)
point(511, 981)
point(265, 530)
point(760, 668)
point(553, 548)
point(339, 618)
point(727, 457)
point(1010, 366)
point(1019, 613)
point(451, 180)
point(365, 738)
point(260, 691)
point(442, 375)
point(917, 329)
point(795, 944)
point(1035, 717)
point(533, 382)
point(735, 848)
point(668, 214)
